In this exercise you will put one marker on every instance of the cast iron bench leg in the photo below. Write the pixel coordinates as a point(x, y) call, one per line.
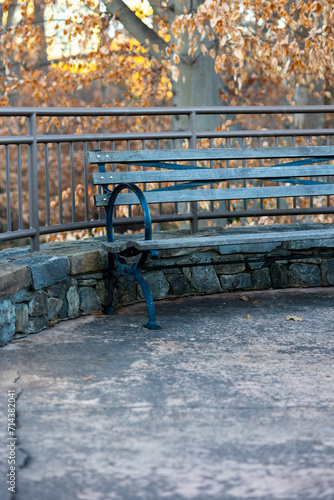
point(118, 266)
point(152, 324)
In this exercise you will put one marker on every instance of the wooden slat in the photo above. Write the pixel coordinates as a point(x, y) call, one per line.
point(222, 240)
point(211, 174)
point(220, 194)
point(209, 154)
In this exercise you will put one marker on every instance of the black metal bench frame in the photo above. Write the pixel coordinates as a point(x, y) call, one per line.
point(192, 177)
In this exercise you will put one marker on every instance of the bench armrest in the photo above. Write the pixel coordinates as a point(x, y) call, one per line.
point(146, 211)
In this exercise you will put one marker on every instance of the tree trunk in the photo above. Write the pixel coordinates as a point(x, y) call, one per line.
point(39, 8)
point(303, 96)
point(198, 83)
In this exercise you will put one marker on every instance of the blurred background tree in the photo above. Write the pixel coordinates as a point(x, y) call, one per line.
point(166, 52)
point(161, 53)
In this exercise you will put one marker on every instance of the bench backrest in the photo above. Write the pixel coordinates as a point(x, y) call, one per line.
point(316, 164)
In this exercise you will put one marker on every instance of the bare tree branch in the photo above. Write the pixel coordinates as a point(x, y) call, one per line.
point(10, 17)
point(139, 30)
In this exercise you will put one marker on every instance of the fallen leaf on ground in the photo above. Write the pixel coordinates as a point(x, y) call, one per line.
point(246, 299)
point(247, 316)
point(86, 378)
point(294, 318)
point(256, 302)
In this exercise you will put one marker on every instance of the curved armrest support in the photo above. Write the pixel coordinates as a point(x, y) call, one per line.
point(146, 211)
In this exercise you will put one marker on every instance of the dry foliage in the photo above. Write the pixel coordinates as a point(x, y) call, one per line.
point(93, 53)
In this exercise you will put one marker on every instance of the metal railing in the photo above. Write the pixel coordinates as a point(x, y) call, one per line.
point(45, 179)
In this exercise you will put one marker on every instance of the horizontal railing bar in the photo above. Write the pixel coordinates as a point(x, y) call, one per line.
point(200, 110)
point(262, 109)
point(233, 214)
point(217, 134)
point(44, 230)
point(117, 222)
point(155, 219)
point(71, 226)
point(17, 235)
point(124, 221)
point(20, 139)
point(183, 135)
point(57, 138)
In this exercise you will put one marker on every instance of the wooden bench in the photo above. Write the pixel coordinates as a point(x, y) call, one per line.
point(199, 184)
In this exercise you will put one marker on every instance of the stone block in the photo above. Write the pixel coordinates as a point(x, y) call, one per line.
point(63, 311)
point(164, 262)
point(187, 273)
point(89, 301)
point(157, 284)
point(84, 262)
point(248, 248)
point(176, 252)
point(47, 270)
point(236, 282)
point(327, 268)
point(204, 279)
point(307, 244)
point(23, 295)
point(172, 271)
point(310, 260)
point(38, 306)
point(304, 275)
point(73, 301)
point(13, 278)
point(204, 256)
point(261, 278)
point(89, 276)
point(234, 268)
point(125, 291)
point(102, 292)
point(37, 324)
point(87, 282)
point(279, 275)
point(178, 285)
point(21, 318)
point(256, 265)
point(7, 321)
point(12, 253)
point(58, 290)
point(54, 306)
point(184, 262)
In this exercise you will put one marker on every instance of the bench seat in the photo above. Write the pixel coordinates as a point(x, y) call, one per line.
point(269, 234)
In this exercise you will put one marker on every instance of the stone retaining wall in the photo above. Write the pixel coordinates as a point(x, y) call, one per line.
point(66, 280)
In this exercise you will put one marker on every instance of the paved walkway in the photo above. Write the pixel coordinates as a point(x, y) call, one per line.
point(229, 401)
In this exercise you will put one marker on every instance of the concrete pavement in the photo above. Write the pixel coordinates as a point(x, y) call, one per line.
point(229, 401)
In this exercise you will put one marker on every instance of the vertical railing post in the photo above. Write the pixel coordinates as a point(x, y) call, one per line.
point(33, 182)
point(193, 145)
